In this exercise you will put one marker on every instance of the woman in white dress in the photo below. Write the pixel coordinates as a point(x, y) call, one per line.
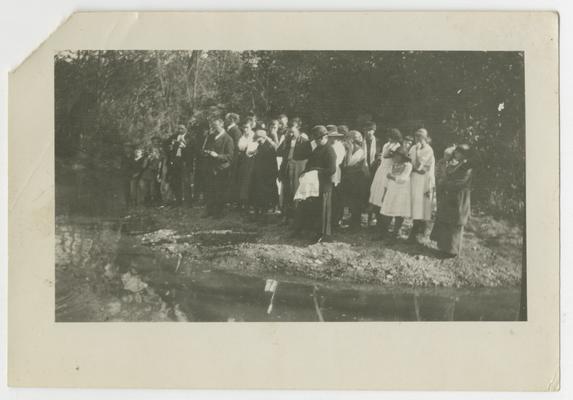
point(422, 183)
point(396, 202)
point(378, 186)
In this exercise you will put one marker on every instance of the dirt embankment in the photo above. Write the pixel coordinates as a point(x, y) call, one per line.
point(491, 256)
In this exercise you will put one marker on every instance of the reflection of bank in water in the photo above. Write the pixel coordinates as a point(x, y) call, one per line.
point(93, 259)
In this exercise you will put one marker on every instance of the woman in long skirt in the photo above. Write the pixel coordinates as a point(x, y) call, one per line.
point(396, 202)
point(244, 164)
point(422, 184)
point(454, 206)
point(264, 195)
point(355, 179)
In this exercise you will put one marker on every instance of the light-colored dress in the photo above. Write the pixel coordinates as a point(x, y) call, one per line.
point(378, 186)
point(422, 185)
point(397, 199)
point(340, 152)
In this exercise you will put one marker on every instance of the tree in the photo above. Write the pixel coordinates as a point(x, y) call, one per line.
point(105, 98)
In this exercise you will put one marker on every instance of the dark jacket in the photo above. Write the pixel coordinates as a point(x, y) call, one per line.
point(375, 162)
point(302, 151)
point(263, 185)
point(129, 167)
point(455, 207)
point(224, 147)
point(235, 133)
point(283, 131)
point(323, 160)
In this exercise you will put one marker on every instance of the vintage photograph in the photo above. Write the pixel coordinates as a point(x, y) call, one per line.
point(316, 186)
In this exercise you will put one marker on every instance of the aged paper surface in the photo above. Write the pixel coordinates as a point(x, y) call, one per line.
point(372, 355)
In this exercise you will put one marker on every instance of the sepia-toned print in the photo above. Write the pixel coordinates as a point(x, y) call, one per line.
point(326, 186)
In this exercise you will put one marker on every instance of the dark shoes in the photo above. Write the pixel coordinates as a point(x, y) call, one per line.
point(323, 239)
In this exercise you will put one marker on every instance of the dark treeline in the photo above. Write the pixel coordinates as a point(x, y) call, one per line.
point(106, 98)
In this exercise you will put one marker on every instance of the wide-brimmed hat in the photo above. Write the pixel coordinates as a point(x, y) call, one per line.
point(318, 132)
point(333, 131)
point(343, 129)
point(422, 132)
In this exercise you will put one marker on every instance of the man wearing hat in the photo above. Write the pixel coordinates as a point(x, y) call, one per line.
point(335, 140)
point(318, 210)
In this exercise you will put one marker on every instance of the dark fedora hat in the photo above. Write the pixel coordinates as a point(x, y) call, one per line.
point(318, 132)
point(333, 131)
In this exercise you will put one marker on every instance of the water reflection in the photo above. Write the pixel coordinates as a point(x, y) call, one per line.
point(221, 296)
point(90, 241)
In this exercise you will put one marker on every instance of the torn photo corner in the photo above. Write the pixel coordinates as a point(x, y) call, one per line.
point(362, 203)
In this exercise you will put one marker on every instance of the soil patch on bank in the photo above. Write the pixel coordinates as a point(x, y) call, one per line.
point(237, 243)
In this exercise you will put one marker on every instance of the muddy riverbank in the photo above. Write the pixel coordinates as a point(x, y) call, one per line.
point(104, 274)
point(492, 258)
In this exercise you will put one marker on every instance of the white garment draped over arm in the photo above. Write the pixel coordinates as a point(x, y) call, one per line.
point(340, 152)
point(308, 186)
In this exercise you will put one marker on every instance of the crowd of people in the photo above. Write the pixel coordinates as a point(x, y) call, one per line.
point(318, 182)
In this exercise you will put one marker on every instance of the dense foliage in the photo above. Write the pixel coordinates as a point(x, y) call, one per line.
point(105, 98)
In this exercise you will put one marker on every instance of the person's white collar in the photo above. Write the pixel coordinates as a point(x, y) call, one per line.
point(220, 134)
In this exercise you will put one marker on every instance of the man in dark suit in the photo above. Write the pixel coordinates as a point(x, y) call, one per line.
point(179, 168)
point(283, 125)
point(231, 125)
point(218, 152)
point(316, 212)
point(373, 147)
point(197, 131)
